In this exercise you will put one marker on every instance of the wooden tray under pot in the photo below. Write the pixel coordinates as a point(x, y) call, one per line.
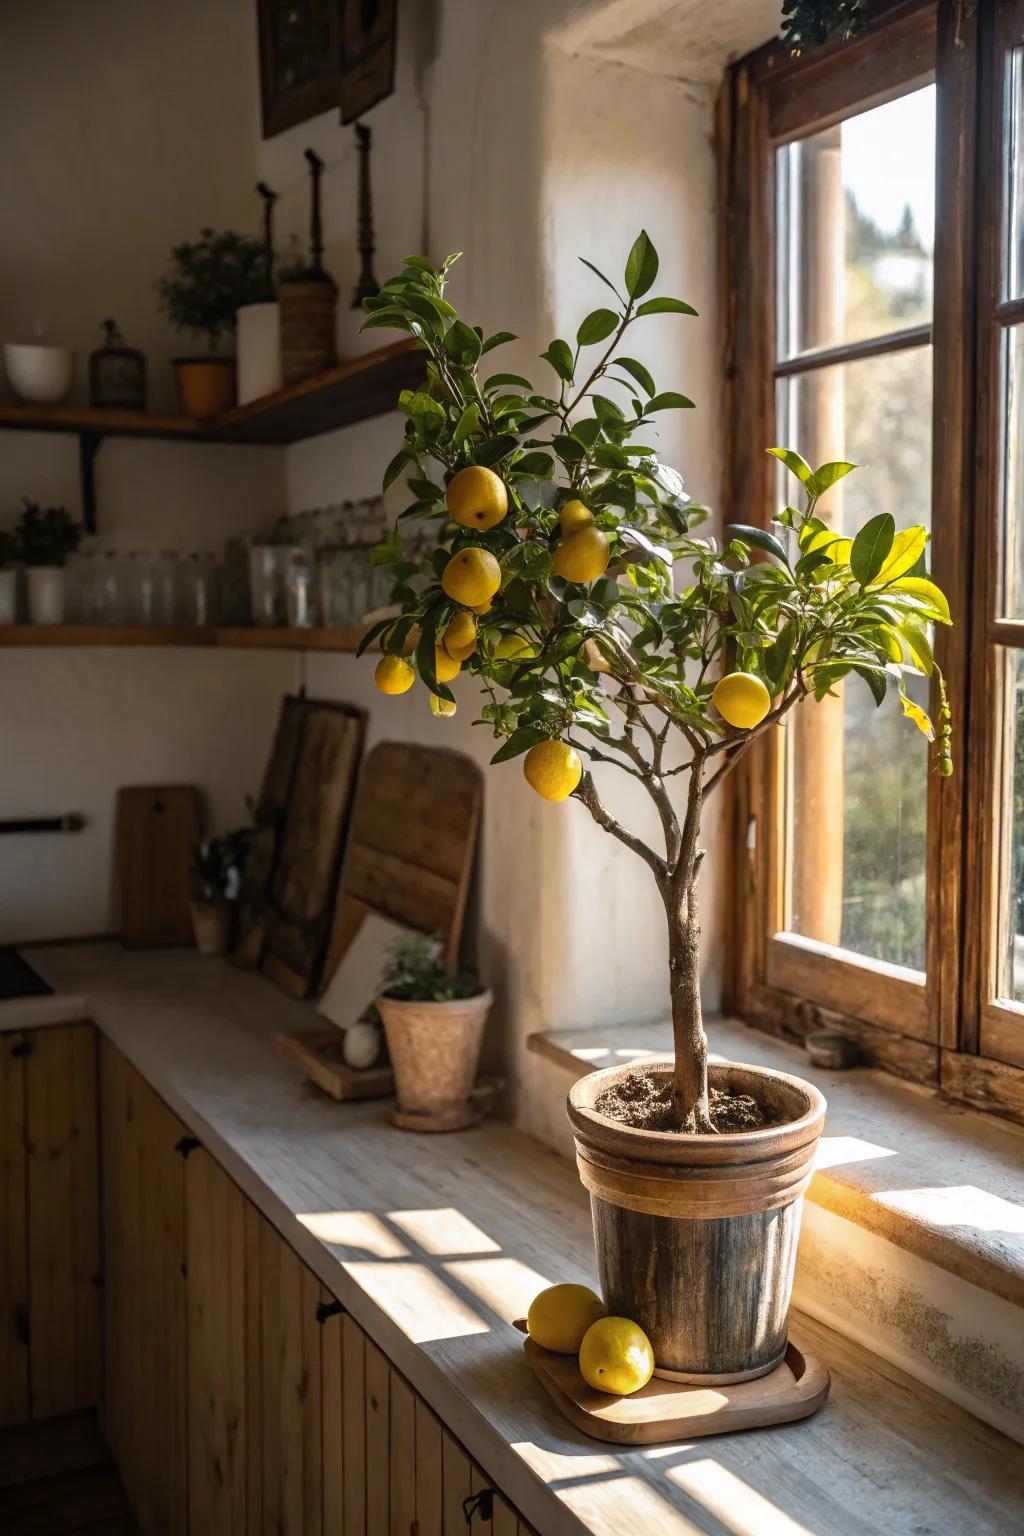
point(666, 1411)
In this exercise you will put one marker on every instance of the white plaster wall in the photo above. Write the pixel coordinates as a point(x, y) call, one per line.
point(125, 125)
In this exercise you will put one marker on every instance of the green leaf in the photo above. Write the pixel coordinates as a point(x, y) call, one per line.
point(497, 379)
point(907, 548)
point(568, 449)
point(666, 307)
point(876, 681)
point(669, 401)
point(559, 355)
point(587, 431)
point(827, 475)
point(637, 371)
point(385, 320)
point(794, 463)
point(871, 546)
point(462, 344)
point(494, 448)
point(466, 424)
point(597, 326)
point(758, 538)
point(497, 340)
point(914, 712)
point(606, 280)
point(641, 266)
point(607, 412)
point(372, 634)
point(777, 657)
point(520, 741)
point(919, 646)
point(926, 592)
point(395, 468)
point(537, 465)
point(421, 263)
point(425, 659)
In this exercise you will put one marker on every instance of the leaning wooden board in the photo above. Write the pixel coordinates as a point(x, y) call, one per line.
point(157, 826)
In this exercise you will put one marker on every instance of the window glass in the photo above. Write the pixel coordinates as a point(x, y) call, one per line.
point(1010, 987)
point(855, 220)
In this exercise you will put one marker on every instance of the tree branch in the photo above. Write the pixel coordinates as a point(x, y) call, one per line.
point(587, 792)
point(735, 749)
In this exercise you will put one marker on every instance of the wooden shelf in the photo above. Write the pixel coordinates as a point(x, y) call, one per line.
point(66, 635)
point(354, 391)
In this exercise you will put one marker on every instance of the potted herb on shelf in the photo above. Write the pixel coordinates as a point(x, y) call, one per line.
point(8, 577)
point(608, 634)
point(218, 864)
point(45, 537)
point(434, 1024)
point(209, 280)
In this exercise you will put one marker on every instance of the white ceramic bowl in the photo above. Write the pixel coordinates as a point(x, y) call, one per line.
point(38, 375)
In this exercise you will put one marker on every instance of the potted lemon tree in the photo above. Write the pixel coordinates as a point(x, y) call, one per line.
point(570, 580)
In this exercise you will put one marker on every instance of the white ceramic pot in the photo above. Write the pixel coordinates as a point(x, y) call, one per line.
point(258, 351)
point(8, 596)
point(39, 375)
point(46, 594)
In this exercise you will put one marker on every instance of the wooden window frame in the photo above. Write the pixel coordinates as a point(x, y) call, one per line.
point(928, 1030)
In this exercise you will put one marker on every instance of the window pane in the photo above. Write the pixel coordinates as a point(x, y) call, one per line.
point(856, 777)
point(1015, 175)
point(1010, 983)
point(1013, 477)
point(856, 217)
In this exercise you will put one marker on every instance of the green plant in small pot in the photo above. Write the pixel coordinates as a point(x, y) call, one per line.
point(218, 865)
point(608, 635)
point(8, 577)
point(434, 1023)
point(44, 539)
point(208, 281)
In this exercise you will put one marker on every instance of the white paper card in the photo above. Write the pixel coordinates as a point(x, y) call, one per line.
point(355, 983)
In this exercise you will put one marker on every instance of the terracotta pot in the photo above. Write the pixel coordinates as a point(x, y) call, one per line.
point(434, 1049)
point(210, 926)
point(696, 1235)
point(308, 341)
point(206, 385)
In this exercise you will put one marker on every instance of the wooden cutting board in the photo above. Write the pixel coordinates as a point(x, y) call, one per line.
point(156, 828)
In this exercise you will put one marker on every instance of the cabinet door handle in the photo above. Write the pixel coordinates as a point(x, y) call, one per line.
point(23, 1048)
point(481, 1504)
point(186, 1145)
point(326, 1309)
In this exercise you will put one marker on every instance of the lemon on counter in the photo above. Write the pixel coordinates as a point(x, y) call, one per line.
point(616, 1356)
point(560, 1316)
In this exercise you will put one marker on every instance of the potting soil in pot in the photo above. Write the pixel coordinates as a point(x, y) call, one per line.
point(644, 1100)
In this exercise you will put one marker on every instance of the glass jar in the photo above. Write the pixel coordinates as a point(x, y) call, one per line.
point(300, 594)
point(166, 607)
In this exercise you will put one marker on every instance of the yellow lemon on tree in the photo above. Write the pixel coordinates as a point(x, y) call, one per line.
point(560, 1316)
point(582, 556)
point(511, 646)
point(553, 769)
point(616, 1356)
point(742, 700)
point(471, 577)
point(574, 516)
point(393, 675)
point(482, 608)
point(476, 497)
point(443, 708)
point(460, 636)
point(445, 667)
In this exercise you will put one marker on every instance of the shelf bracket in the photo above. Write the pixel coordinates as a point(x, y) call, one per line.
point(88, 446)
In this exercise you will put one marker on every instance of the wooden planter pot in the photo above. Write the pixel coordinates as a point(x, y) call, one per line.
point(206, 385)
point(308, 338)
point(434, 1049)
point(696, 1235)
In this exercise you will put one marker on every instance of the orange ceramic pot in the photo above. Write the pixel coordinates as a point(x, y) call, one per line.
point(206, 385)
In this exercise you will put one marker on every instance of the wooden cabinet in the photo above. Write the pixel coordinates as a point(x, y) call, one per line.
point(49, 1223)
point(145, 1377)
point(240, 1399)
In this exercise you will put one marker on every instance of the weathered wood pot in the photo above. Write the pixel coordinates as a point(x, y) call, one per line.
point(434, 1050)
point(696, 1235)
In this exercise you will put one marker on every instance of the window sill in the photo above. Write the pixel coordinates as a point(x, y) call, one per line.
point(942, 1182)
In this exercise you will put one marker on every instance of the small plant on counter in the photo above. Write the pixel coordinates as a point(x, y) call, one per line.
point(45, 536)
point(434, 1021)
point(218, 864)
point(414, 973)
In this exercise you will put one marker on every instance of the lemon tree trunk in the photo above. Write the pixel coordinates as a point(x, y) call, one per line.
point(689, 1040)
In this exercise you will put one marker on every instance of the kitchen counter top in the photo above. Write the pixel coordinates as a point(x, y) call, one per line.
point(436, 1243)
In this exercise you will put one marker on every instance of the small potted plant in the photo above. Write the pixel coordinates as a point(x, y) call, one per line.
point(218, 864)
point(434, 1023)
point(8, 577)
point(209, 280)
point(45, 537)
point(608, 633)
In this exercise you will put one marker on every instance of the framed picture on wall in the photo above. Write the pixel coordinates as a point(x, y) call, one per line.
point(300, 59)
point(369, 38)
